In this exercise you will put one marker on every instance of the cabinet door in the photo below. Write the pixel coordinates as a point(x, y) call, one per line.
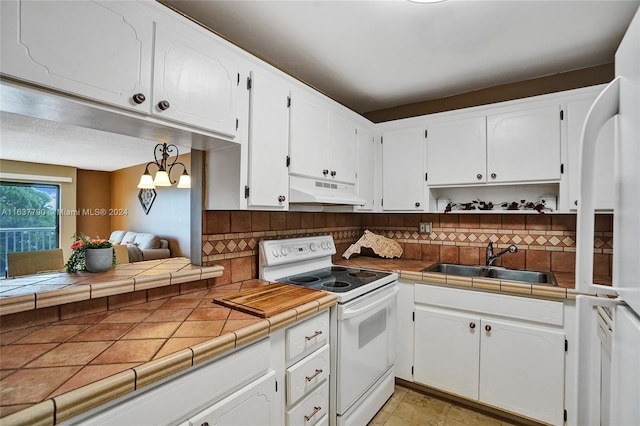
point(255, 404)
point(524, 145)
point(343, 148)
point(308, 137)
point(403, 169)
point(447, 350)
point(194, 82)
point(268, 178)
point(366, 175)
point(97, 50)
point(577, 112)
point(522, 369)
point(456, 152)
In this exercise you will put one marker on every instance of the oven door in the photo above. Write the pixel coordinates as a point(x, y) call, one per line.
point(366, 343)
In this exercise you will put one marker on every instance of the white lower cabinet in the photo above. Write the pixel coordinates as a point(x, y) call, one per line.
point(221, 389)
point(468, 344)
point(255, 404)
point(308, 365)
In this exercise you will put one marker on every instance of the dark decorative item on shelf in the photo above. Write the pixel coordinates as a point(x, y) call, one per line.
point(483, 205)
point(526, 205)
point(90, 254)
point(146, 197)
point(161, 153)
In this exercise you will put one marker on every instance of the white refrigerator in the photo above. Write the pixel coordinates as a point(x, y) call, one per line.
point(607, 376)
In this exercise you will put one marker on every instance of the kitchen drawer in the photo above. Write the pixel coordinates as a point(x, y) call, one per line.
point(307, 374)
point(524, 308)
point(304, 338)
point(311, 409)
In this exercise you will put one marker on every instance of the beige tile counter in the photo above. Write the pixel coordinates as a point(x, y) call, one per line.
point(410, 270)
point(52, 289)
point(51, 372)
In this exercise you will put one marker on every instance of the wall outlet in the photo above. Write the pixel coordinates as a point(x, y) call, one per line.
point(425, 228)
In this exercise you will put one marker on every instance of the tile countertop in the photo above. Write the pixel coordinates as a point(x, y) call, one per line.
point(52, 372)
point(410, 270)
point(50, 289)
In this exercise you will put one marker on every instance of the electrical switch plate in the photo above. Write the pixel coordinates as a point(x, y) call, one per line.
point(425, 228)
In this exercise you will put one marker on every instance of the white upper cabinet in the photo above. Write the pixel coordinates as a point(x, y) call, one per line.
point(524, 145)
point(323, 142)
point(604, 185)
point(124, 54)
point(366, 169)
point(98, 50)
point(193, 81)
point(343, 148)
point(456, 152)
point(268, 179)
point(308, 137)
point(403, 169)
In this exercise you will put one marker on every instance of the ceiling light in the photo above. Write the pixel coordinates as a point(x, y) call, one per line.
point(161, 153)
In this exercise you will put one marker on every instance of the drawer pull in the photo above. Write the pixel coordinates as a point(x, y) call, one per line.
point(316, 334)
point(310, 378)
point(315, 411)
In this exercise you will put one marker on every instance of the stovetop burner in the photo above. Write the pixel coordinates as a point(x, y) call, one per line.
point(336, 279)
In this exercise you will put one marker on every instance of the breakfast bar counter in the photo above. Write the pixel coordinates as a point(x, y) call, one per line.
point(51, 289)
point(59, 361)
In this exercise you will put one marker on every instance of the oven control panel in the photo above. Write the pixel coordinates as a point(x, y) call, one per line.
point(274, 252)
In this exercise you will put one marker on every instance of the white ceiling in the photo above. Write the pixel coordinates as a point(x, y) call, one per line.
point(368, 55)
point(372, 55)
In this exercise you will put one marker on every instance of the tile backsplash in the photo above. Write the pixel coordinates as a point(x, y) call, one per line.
point(545, 242)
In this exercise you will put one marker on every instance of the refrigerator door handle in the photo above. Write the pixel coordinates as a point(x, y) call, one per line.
point(587, 364)
point(604, 107)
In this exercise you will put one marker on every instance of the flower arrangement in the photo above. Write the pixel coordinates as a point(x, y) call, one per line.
point(82, 243)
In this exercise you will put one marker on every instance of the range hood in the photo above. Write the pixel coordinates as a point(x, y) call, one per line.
point(318, 191)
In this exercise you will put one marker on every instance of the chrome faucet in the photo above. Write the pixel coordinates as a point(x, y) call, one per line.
point(493, 257)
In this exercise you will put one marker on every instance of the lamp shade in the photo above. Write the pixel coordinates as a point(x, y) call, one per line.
point(185, 181)
point(162, 178)
point(146, 182)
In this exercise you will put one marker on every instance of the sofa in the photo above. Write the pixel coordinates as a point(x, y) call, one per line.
point(141, 245)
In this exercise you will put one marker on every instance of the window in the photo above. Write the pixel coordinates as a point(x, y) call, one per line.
point(29, 218)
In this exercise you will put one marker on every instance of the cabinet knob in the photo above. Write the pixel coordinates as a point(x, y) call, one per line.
point(333, 173)
point(281, 198)
point(163, 105)
point(493, 175)
point(575, 202)
point(472, 325)
point(205, 424)
point(479, 176)
point(418, 204)
point(487, 327)
point(325, 172)
point(139, 98)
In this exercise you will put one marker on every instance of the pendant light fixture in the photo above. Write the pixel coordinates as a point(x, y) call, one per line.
point(161, 153)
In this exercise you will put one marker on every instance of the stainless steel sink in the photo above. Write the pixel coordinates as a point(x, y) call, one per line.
point(530, 277)
point(452, 269)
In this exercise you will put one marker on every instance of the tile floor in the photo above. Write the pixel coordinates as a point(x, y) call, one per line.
point(409, 408)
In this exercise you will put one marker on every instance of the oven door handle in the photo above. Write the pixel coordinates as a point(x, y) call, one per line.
point(350, 313)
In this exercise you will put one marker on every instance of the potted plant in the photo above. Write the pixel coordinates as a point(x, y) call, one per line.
point(90, 254)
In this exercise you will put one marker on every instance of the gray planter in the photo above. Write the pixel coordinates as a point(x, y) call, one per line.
point(99, 259)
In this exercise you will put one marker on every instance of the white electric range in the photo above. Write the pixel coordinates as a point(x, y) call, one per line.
point(363, 323)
